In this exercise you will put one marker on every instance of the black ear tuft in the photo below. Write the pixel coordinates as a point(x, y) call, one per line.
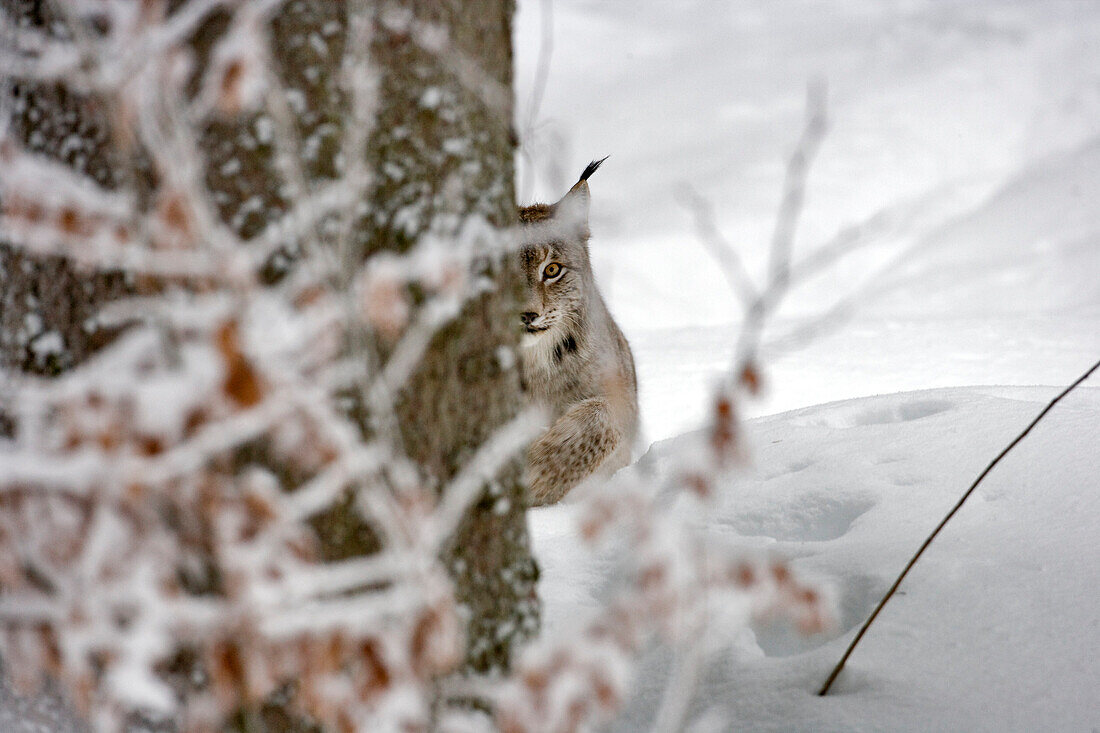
point(592, 167)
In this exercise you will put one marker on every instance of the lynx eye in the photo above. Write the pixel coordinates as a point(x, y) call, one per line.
point(551, 271)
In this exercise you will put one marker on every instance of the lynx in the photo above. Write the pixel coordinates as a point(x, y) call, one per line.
point(574, 360)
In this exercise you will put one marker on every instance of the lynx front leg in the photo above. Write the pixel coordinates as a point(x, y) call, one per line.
point(571, 450)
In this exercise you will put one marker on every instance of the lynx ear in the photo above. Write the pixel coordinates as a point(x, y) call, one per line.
point(572, 210)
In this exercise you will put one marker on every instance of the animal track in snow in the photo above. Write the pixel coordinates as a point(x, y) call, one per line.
point(859, 594)
point(793, 467)
point(815, 517)
point(800, 465)
point(858, 415)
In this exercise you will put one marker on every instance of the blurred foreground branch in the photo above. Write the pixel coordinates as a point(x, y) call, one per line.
point(260, 446)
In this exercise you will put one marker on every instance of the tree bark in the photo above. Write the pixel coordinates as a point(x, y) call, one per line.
point(440, 151)
point(425, 107)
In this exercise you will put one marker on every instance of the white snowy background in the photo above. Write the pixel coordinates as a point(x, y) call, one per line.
point(974, 127)
point(972, 130)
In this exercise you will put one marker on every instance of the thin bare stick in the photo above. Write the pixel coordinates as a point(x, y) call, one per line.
point(542, 75)
point(758, 304)
point(908, 215)
point(794, 190)
point(889, 221)
point(790, 208)
point(924, 546)
point(733, 267)
point(681, 686)
point(542, 70)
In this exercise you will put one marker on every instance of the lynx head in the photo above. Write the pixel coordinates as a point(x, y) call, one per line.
point(555, 261)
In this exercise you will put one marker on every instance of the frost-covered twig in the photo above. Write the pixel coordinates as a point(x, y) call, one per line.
point(671, 576)
point(733, 268)
point(681, 686)
point(542, 75)
point(760, 302)
point(779, 254)
point(508, 440)
point(116, 56)
point(676, 574)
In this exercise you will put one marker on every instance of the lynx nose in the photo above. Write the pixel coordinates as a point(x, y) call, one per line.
point(527, 317)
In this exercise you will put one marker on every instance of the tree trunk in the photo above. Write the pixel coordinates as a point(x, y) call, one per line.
point(439, 151)
point(425, 109)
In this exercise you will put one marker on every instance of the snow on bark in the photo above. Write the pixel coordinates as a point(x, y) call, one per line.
point(243, 403)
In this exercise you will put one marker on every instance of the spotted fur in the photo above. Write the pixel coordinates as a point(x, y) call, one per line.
point(574, 360)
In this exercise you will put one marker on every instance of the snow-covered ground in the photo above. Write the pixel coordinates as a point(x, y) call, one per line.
point(995, 630)
point(973, 130)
